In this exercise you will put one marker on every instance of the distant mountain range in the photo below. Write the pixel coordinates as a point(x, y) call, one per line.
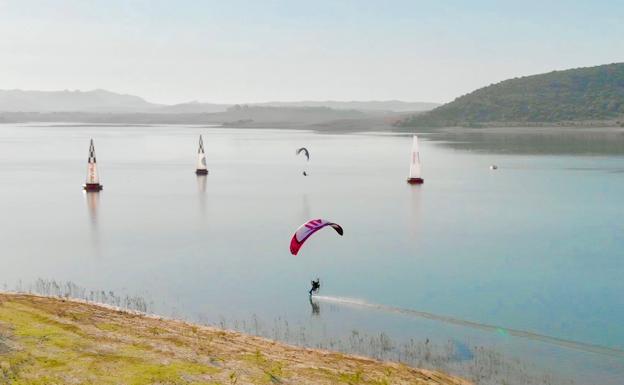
point(192, 108)
point(317, 118)
point(63, 101)
point(110, 102)
point(591, 94)
point(373, 105)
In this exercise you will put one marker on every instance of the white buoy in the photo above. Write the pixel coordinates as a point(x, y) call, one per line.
point(201, 169)
point(415, 172)
point(493, 167)
point(93, 178)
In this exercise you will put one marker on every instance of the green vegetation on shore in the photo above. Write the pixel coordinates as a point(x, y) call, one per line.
point(54, 341)
point(576, 95)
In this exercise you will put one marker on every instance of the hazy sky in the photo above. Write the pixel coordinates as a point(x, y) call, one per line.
point(251, 51)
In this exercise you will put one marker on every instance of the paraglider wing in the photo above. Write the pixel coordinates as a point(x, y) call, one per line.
point(307, 229)
point(305, 152)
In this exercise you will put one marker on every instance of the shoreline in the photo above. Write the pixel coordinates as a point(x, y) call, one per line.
point(365, 123)
point(60, 340)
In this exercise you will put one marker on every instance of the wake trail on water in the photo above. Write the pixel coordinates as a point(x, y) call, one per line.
point(354, 302)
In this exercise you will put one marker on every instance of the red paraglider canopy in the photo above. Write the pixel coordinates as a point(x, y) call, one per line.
point(307, 229)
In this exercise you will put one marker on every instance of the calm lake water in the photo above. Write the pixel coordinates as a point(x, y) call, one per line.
point(536, 246)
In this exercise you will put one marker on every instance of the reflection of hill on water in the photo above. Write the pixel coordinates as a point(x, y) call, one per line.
point(565, 141)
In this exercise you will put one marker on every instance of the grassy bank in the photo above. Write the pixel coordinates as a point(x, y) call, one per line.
point(54, 341)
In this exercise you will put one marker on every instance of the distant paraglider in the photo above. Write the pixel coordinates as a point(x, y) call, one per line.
point(307, 155)
point(305, 152)
point(307, 229)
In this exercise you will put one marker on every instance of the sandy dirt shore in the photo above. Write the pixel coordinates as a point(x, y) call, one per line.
point(47, 340)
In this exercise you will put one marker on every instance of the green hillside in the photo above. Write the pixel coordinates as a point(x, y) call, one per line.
point(581, 94)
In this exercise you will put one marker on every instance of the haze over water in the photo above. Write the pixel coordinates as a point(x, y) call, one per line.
point(534, 246)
